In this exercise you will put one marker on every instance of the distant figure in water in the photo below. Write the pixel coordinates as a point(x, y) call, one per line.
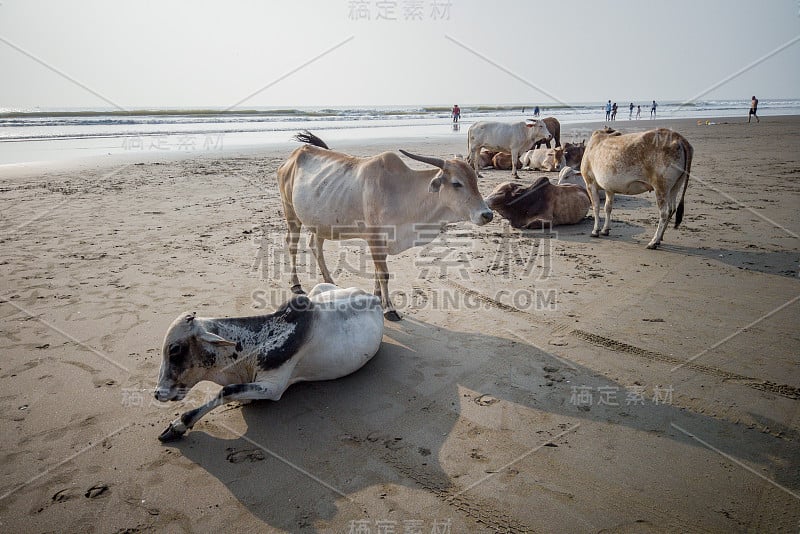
point(753, 109)
point(614, 112)
point(456, 113)
point(630, 114)
point(536, 111)
point(608, 111)
point(638, 112)
point(653, 110)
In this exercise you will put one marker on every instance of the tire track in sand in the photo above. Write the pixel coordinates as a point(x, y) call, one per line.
point(784, 390)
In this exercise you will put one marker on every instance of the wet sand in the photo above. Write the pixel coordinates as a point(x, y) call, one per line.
point(535, 384)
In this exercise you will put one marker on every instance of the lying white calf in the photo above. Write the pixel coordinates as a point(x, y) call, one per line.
point(328, 334)
point(543, 159)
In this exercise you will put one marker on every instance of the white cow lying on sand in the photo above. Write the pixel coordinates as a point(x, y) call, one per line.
point(328, 334)
point(543, 159)
point(657, 160)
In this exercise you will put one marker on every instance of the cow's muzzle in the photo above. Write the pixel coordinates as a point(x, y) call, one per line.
point(163, 394)
point(484, 217)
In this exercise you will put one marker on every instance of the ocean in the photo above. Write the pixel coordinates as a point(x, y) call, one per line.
point(28, 135)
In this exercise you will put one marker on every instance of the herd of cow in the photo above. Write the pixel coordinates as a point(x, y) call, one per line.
point(333, 332)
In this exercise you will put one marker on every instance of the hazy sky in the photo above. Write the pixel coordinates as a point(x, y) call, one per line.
point(193, 54)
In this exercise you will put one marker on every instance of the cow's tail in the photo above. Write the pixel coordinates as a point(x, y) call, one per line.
point(688, 152)
point(307, 137)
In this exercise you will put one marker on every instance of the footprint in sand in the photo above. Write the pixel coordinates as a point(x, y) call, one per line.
point(485, 400)
point(96, 491)
point(246, 455)
point(64, 495)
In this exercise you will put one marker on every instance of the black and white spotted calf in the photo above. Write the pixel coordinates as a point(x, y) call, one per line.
point(328, 334)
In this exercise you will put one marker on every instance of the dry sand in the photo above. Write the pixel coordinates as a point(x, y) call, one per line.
point(484, 410)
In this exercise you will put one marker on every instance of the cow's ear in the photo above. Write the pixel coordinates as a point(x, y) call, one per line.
point(214, 339)
point(435, 184)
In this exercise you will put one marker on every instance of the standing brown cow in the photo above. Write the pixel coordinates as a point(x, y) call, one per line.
point(554, 127)
point(658, 160)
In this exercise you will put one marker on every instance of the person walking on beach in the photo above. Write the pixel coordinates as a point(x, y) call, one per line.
point(456, 113)
point(536, 111)
point(653, 110)
point(630, 114)
point(608, 111)
point(614, 112)
point(638, 112)
point(753, 109)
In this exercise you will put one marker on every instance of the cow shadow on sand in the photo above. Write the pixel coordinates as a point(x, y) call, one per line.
point(776, 262)
point(412, 414)
point(784, 263)
point(580, 232)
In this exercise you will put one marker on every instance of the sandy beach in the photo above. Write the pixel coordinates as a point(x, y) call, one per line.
point(537, 383)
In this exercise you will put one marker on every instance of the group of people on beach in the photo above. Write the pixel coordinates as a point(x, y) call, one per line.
point(611, 111)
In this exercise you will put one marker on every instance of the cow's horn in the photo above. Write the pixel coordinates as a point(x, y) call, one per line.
point(436, 162)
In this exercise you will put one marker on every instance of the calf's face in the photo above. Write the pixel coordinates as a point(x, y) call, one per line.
point(553, 161)
point(190, 353)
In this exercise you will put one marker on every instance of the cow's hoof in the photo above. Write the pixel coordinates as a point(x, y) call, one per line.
point(297, 289)
point(605, 232)
point(170, 434)
point(594, 234)
point(652, 246)
point(391, 315)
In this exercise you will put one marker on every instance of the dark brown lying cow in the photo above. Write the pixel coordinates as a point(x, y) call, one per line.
point(554, 127)
point(540, 204)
